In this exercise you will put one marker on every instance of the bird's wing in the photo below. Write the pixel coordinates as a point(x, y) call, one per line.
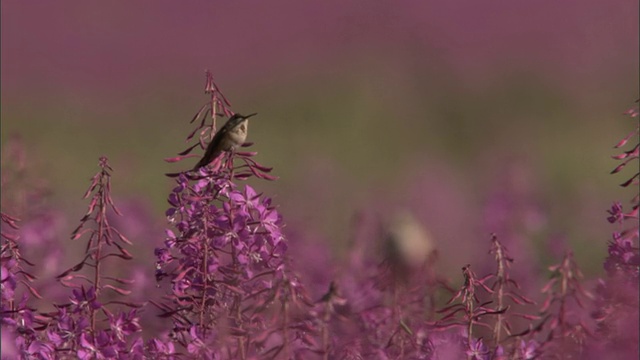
point(213, 149)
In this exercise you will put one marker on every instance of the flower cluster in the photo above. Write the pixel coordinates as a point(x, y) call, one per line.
point(226, 262)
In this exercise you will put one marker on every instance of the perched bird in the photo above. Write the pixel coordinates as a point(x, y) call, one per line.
point(231, 136)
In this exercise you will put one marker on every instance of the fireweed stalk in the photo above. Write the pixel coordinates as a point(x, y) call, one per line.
point(474, 312)
point(232, 295)
point(73, 330)
point(566, 331)
point(78, 327)
point(505, 288)
point(616, 305)
point(18, 334)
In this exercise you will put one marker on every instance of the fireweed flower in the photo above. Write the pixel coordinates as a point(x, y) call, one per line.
point(84, 300)
point(615, 213)
point(231, 291)
point(124, 325)
point(158, 349)
point(623, 257)
point(13, 264)
point(35, 349)
point(17, 319)
point(617, 300)
point(506, 290)
point(198, 348)
point(527, 349)
point(88, 326)
point(478, 350)
point(228, 252)
point(96, 347)
point(564, 307)
point(8, 279)
point(66, 329)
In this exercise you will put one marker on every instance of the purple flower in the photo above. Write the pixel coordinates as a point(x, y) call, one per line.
point(124, 324)
point(8, 280)
point(623, 258)
point(615, 213)
point(528, 349)
point(159, 349)
point(199, 348)
point(67, 329)
point(98, 347)
point(34, 349)
point(84, 300)
point(163, 255)
point(478, 350)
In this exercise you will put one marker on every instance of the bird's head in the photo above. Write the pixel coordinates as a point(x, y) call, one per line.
point(237, 122)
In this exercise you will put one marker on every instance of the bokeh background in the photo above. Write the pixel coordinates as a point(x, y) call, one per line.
point(477, 116)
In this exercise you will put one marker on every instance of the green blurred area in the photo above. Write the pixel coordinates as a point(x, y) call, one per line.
point(348, 138)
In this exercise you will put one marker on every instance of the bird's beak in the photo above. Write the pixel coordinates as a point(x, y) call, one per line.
point(250, 115)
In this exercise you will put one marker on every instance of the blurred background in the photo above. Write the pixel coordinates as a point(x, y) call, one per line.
point(477, 117)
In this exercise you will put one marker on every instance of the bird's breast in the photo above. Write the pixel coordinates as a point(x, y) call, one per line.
point(236, 137)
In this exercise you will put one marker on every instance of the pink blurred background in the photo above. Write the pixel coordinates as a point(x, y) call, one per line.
point(431, 106)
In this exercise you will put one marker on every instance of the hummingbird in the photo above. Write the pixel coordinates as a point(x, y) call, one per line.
point(231, 136)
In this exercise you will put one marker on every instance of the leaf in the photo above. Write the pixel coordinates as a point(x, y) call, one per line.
point(246, 153)
point(179, 158)
point(75, 268)
point(119, 280)
point(546, 304)
point(129, 304)
point(182, 274)
point(121, 256)
point(122, 237)
point(242, 176)
point(625, 139)
point(197, 115)
point(526, 316)
point(519, 299)
point(31, 289)
point(118, 290)
point(188, 150)
point(628, 182)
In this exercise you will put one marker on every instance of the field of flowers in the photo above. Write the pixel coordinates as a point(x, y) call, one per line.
point(227, 282)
